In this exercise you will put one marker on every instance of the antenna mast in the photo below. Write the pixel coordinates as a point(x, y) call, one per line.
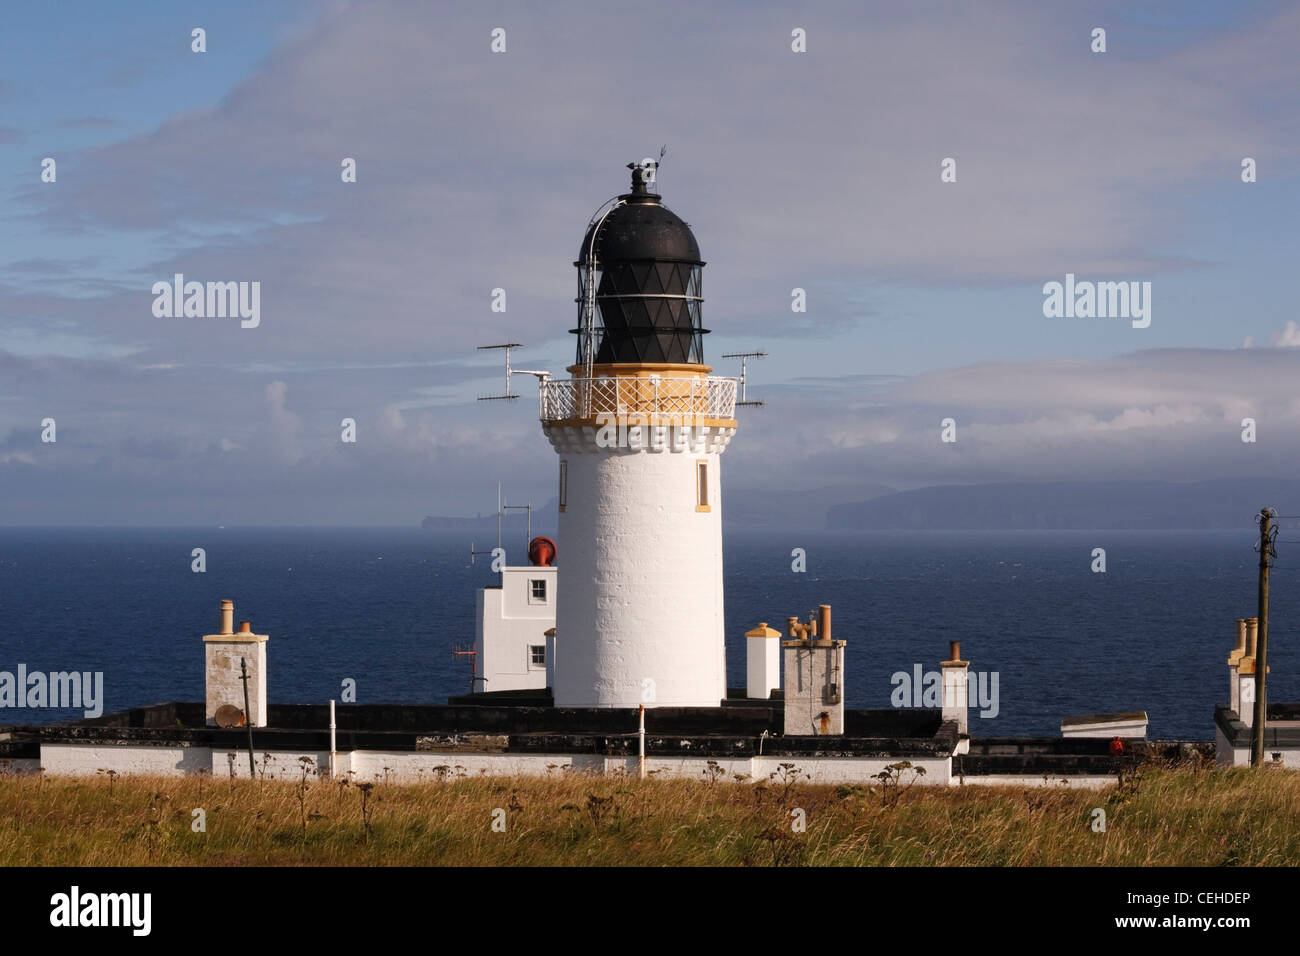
point(502, 507)
point(463, 650)
point(529, 508)
point(744, 363)
point(507, 396)
point(473, 554)
point(510, 396)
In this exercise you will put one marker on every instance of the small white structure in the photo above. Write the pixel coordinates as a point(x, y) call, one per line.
point(1132, 724)
point(510, 624)
point(223, 675)
point(762, 662)
point(814, 677)
point(956, 694)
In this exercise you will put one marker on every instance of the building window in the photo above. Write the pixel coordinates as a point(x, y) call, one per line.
point(537, 655)
point(564, 484)
point(537, 591)
point(702, 486)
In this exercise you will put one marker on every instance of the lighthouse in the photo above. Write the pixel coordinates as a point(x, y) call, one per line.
point(639, 428)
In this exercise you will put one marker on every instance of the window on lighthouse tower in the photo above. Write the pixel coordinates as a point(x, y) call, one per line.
point(702, 486)
point(564, 484)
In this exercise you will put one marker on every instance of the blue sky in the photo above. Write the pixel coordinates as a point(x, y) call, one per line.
point(88, 75)
point(479, 170)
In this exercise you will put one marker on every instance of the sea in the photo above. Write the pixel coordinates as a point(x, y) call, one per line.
point(387, 607)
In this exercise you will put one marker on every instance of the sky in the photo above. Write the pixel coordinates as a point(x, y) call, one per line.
point(477, 170)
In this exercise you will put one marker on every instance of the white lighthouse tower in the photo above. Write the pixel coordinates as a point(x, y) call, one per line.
point(640, 428)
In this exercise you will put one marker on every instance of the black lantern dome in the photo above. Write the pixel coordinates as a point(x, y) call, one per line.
point(647, 270)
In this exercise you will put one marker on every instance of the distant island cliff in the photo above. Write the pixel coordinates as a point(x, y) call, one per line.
point(1219, 504)
point(543, 517)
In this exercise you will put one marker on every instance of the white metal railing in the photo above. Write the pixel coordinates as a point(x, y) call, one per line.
point(681, 400)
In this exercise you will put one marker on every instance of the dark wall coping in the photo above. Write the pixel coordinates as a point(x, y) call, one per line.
point(398, 727)
point(749, 717)
point(1275, 738)
point(1046, 765)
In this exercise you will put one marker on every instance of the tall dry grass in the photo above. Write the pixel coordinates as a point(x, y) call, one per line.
point(1163, 816)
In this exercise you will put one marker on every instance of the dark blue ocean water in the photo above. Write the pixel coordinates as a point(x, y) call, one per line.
point(384, 607)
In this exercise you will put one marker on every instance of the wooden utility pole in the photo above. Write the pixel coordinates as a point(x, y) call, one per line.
point(248, 719)
point(1261, 645)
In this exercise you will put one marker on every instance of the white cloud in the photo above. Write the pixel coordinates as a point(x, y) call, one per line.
point(140, 444)
point(284, 427)
point(478, 171)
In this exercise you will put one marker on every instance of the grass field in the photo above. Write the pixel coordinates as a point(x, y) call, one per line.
point(1162, 816)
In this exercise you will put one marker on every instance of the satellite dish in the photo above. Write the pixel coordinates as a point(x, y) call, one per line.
point(228, 715)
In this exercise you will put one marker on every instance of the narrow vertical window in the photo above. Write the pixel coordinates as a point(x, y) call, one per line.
point(702, 486)
point(564, 484)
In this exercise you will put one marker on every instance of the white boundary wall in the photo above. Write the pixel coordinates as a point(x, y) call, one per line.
point(80, 759)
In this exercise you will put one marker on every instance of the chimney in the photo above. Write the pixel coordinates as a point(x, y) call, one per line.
point(762, 662)
point(222, 653)
point(956, 702)
point(1246, 675)
point(1234, 659)
point(814, 675)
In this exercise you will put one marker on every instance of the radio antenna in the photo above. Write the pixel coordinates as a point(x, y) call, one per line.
point(744, 362)
point(510, 396)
